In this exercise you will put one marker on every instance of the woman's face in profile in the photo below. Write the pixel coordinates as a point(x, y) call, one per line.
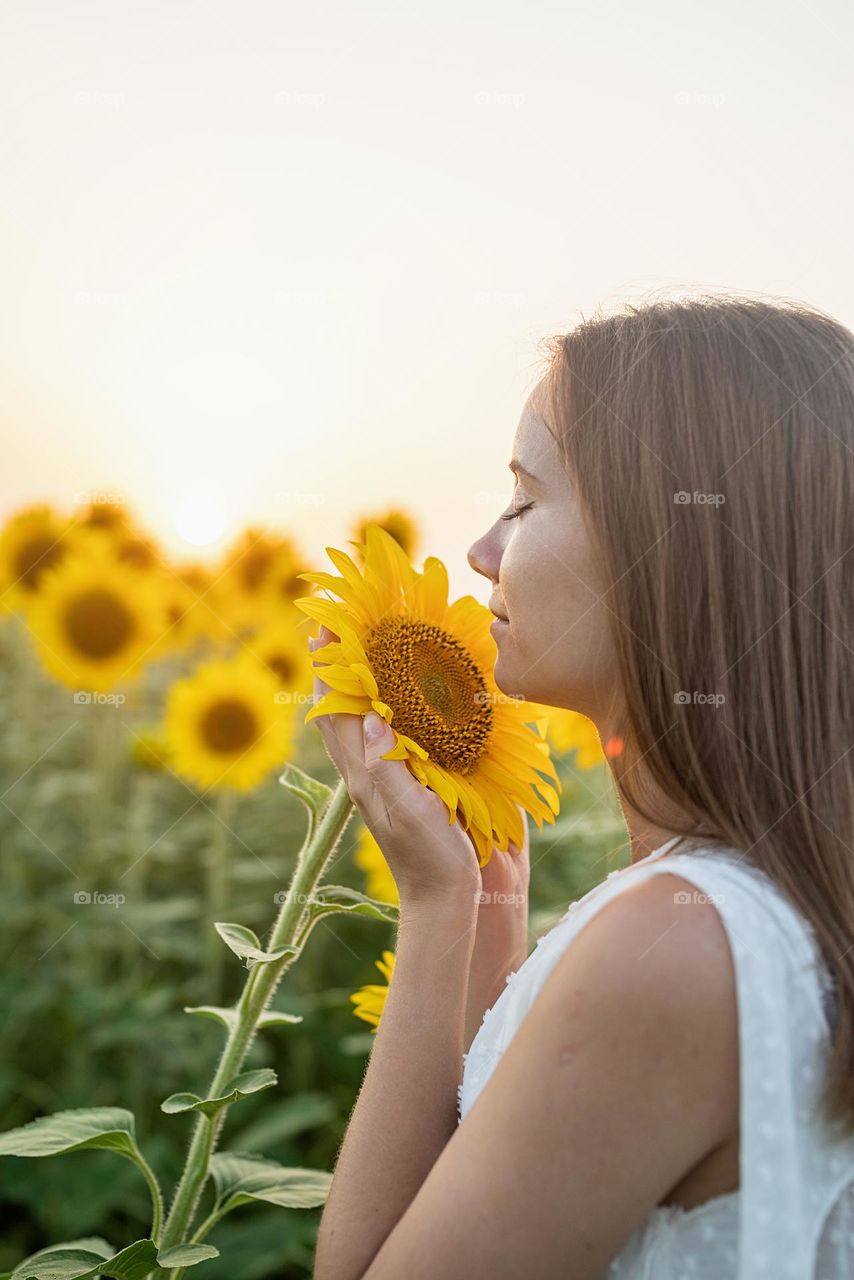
point(554, 646)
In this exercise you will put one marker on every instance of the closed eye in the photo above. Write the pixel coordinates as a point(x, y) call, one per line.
point(514, 515)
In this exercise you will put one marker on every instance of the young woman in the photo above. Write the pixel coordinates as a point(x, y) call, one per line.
point(664, 1087)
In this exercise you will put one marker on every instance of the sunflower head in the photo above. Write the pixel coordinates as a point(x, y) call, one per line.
point(96, 620)
point(227, 726)
point(370, 1000)
point(32, 542)
point(426, 666)
point(396, 522)
point(282, 651)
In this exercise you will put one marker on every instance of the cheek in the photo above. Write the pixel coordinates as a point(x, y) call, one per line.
point(558, 644)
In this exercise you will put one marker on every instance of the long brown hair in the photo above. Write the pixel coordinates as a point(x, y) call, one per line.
point(711, 440)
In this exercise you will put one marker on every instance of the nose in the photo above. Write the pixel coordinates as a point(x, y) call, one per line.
point(484, 556)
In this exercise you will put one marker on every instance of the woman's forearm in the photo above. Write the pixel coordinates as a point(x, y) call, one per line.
point(407, 1107)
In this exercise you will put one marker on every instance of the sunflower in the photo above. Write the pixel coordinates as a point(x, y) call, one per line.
point(571, 731)
point(95, 619)
point(426, 667)
point(225, 726)
point(33, 541)
point(282, 650)
point(370, 1000)
point(399, 524)
point(282, 582)
point(370, 858)
point(245, 576)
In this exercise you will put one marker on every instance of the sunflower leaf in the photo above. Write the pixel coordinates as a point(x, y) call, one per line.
point(240, 1087)
point(80, 1258)
point(247, 945)
point(228, 1018)
point(111, 1128)
point(314, 795)
point(241, 1177)
point(186, 1255)
point(340, 899)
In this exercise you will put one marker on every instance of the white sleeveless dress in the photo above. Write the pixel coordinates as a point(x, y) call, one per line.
point(792, 1217)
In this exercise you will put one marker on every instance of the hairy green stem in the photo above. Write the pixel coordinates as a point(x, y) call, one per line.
point(156, 1198)
point(260, 986)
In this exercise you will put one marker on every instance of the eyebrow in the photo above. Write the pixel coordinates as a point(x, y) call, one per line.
point(516, 466)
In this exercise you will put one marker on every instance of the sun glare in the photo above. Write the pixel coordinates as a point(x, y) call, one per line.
point(201, 519)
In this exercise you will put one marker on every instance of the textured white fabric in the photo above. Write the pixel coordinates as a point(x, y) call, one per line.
point(792, 1217)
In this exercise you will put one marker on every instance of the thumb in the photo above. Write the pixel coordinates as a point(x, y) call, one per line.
point(378, 738)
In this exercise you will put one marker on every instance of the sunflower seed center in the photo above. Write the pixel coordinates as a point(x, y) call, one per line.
point(98, 624)
point(228, 725)
point(434, 687)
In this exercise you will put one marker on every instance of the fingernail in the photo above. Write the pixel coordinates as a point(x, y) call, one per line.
point(372, 726)
point(312, 644)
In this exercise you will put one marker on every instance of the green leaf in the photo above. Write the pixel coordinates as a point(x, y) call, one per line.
point(247, 945)
point(228, 1017)
point(187, 1255)
point(314, 795)
point(241, 1177)
point(109, 1127)
point(78, 1258)
point(335, 899)
point(240, 1087)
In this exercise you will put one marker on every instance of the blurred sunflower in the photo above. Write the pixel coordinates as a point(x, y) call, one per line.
point(282, 650)
point(96, 620)
point(398, 523)
point(370, 858)
point(571, 731)
point(426, 667)
point(370, 1000)
point(282, 583)
point(225, 726)
point(244, 577)
point(32, 541)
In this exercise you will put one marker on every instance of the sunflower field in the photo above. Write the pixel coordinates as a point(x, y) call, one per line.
point(199, 931)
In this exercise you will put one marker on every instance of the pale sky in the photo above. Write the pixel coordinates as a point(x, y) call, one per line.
point(291, 262)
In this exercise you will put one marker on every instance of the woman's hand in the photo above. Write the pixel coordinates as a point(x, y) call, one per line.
point(431, 859)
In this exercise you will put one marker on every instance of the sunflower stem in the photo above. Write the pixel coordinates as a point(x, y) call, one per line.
point(257, 992)
point(217, 885)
